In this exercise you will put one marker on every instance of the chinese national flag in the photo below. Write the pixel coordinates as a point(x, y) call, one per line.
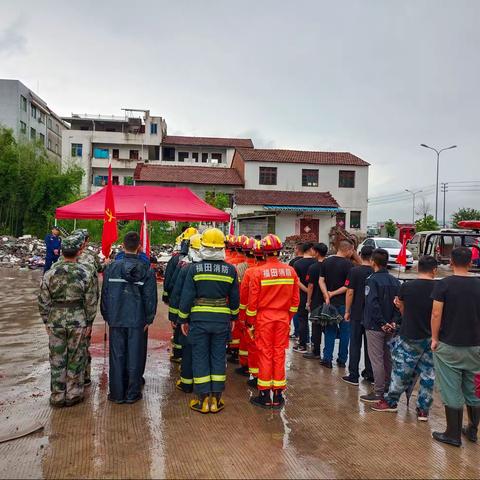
point(110, 230)
point(144, 238)
point(402, 255)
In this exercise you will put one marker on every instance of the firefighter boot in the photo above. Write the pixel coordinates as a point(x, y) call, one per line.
point(278, 400)
point(183, 387)
point(201, 404)
point(216, 404)
point(252, 382)
point(263, 400)
point(471, 430)
point(233, 358)
point(453, 434)
point(242, 371)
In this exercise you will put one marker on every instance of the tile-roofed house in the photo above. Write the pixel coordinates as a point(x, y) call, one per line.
point(207, 141)
point(272, 198)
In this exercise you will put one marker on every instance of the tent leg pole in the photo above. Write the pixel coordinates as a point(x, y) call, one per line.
point(75, 224)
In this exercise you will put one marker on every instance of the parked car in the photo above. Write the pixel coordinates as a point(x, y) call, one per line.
point(391, 245)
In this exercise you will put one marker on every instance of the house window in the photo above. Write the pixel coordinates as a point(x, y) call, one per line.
point(23, 127)
point(268, 176)
point(115, 180)
point(195, 156)
point(133, 155)
point(128, 180)
point(42, 138)
point(49, 122)
point(309, 178)
point(34, 111)
point(182, 156)
point(57, 128)
point(168, 154)
point(204, 157)
point(76, 150)
point(100, 152)
point(100, 180)
point(153, 128)
point(33, 134)
point(49, 144)
point(115, 153)
point(56, 148)
point(216, 158)
point(355, 217)
point(23, 103)
point(41, 117)
point(346, 179)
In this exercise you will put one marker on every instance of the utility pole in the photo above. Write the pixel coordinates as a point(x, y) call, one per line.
point(413, 207)
point(438, 152)
point(444, 191)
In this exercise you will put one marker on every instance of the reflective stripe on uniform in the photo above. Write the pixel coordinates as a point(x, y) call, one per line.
point(235, 341)
point(242, 307)
point(122, 280)
point(183, 315)
point(264, 383)
point(234, 312)
point(277, 281)
point(251, 313)
point(279, 383)
point(243, 353)
point(253, 370)
point(294, 309)
point(212, 277)
point(186, 381)
point(205, 379)
point(172, 310)
point(218, 378)
point(177, 346)
point(205, 308)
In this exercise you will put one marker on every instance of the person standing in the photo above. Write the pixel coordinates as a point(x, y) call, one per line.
point(53, 242)
point(315, 297)
point(273, 299)
point(128, 305)
point(208, 308)
point(380, 320)
point(456, 347)
point(67, 303)
point(335, 271)
point(297, 255)
point(354, 305)
point(411, 352)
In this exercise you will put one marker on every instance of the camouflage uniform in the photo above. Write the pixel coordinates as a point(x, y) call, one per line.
point(412, 358)
point(67, 303)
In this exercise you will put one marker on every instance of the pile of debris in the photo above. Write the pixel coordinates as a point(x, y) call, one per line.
point(23, 252)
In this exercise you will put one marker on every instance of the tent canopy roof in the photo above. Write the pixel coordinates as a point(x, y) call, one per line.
point(163, 203)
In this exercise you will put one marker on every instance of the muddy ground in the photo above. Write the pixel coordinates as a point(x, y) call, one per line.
point(323, 431)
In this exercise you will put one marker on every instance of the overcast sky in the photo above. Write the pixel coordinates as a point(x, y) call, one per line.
point(375, 78)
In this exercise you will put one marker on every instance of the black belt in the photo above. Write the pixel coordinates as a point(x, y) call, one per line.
point(73, 303)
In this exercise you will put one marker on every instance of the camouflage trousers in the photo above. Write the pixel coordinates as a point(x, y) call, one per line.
point(88, 357)
point(411, 359)
point(67, 362)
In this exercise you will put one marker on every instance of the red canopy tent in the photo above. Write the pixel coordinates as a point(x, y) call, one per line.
point(163, 203)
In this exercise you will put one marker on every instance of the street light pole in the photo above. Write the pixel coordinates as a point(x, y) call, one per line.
point(413, 209)
point(438, 152)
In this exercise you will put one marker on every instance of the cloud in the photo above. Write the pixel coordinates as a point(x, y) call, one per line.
point(12, 41)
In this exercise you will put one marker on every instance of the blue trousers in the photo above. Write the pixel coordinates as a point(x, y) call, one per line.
point(331, 335)
point(127, 361)
point(296, 325)
point(186, 369)
point(49, 261)
point(209, 341)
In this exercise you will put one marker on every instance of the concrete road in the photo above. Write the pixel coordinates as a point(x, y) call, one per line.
point(323, 431)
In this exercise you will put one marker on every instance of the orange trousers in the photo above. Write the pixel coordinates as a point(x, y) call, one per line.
point(248, 352)
point(271, 340)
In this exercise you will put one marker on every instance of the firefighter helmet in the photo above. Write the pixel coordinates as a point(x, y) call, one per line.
point(258, 249)
point(189, 232)
point(214, 238)
point(231, 239)
point(196, 241)
point(248, 245)
point(271, 243)
point(240, 240)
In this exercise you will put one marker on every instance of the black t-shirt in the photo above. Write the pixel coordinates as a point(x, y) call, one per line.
point(356, 281)
point(301, 266)
point(335, 271)
point(461, 310)
point(417, 298)
point(293, 260)
point(313, 276)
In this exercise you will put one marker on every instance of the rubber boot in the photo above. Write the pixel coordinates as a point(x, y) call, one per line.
point(201, 404)
point(471, 430)
point(242, 371)
point(453, 433)
point(278, 400)
point(252, 382)
point(263, 400)
point(216, 403)
point(183, 387)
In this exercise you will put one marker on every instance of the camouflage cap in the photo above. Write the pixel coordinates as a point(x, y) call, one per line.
point(81, 232)
point(73, 242)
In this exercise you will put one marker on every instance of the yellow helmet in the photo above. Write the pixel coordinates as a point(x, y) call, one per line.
point(196, 241)
point(179, 239)
point(189, 232)
point(213, 237)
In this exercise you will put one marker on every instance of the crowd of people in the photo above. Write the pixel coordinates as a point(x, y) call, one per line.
point(233, 296)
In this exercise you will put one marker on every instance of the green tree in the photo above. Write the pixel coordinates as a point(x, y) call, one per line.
point(32, 186)
point(390, 228)
point(218, 200)
point(425, 224)
point(465, 214)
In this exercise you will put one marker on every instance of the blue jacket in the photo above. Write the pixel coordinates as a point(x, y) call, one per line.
point(129, 293)
point(381, 288)
point(52, 242)
point(142, 256)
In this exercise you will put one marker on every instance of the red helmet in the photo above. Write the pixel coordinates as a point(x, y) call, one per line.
point(240, 240)
point(230, 241)
point(248, 245)
point(271, 243)
point(258, 248)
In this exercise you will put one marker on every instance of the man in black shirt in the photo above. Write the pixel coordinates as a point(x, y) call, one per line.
point(301, 266)
point(298, 254)
point(315, 298)
point(456, 347)
point(335, 271)
point(411, 352)
point(355, 302)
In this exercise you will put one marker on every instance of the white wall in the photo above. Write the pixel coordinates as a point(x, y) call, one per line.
point(227, 155)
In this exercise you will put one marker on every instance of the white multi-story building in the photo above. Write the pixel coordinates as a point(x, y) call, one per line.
point(94, 141)
point(30, 118)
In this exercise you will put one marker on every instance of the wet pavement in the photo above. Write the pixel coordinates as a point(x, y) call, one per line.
point(323, 431)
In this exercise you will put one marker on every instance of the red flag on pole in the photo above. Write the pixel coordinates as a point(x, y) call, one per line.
point(144, 238)
point(402, 255)
point(110, 230)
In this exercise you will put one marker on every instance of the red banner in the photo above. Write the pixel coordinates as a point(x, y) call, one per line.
point(110, 229)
